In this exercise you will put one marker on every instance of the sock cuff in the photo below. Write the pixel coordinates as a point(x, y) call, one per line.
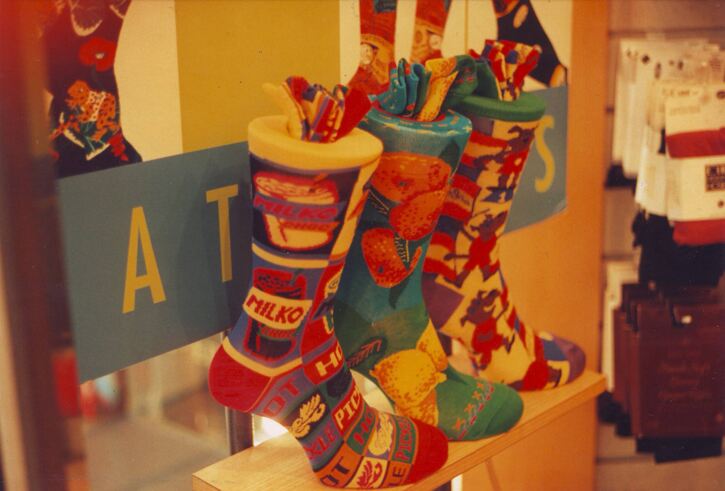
point(269, 140)
point(528, 107)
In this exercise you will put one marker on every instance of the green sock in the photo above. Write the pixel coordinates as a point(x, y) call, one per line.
point(380, 316)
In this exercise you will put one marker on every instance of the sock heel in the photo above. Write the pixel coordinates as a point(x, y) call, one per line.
point(234, 385)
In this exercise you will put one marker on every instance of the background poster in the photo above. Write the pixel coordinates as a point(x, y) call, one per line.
point(189, 77)
point(189, 80)
point(542, 191)
point(147, 72)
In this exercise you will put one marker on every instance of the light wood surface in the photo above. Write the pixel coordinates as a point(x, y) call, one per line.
point(556, 457)
point(280, 462)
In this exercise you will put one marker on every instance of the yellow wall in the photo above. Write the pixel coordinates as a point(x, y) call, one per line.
point(227, 49)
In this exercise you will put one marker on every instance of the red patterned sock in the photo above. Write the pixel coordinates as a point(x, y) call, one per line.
point(696, 153)
point(282, 360)
point(430, 24)
point(377, 46)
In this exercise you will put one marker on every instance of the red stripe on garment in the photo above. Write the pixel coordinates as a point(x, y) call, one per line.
point(489, 141)
point(467, 159)
point(441, 239)
point(438, 267)
point(699, 232)
point(524, 68)
point(453, 210)
point(704, 143)
point(466, 185)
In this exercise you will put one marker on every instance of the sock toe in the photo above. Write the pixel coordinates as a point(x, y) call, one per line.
point(432, 451)
point(499, 415)
point(509, 411)
point(575, 355)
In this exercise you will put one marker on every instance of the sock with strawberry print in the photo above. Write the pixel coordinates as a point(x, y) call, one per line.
point(380, 317)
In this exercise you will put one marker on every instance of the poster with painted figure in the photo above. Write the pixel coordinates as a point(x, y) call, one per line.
point(427, 28)
point(466, 25)
point(104, 56)
point(159, 250)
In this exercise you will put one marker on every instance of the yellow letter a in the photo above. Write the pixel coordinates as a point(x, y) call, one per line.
point(152, 278)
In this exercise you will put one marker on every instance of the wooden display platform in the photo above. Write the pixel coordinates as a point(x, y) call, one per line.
point(280, 463)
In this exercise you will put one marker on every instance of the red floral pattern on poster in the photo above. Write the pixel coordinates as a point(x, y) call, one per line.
point(99, 52)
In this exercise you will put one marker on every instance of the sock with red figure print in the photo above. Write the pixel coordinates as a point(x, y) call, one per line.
point(377, 46)
point(430, 24)
point(463, 284)
point(282, 359)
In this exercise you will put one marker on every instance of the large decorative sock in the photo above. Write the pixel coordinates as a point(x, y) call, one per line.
point(377, 46)
point(282, 359)
point(517, 21)
point(380, 316)
point(80, 45)
point(430, 24)
point(463, 285)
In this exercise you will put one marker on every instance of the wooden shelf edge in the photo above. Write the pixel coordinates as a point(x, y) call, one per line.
point(199, 484)
point(241, 471)
point(463, 456)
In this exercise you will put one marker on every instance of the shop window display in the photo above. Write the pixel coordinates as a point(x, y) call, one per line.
point(408, 255)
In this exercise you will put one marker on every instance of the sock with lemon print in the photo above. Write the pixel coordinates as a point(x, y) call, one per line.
point(380, 317)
